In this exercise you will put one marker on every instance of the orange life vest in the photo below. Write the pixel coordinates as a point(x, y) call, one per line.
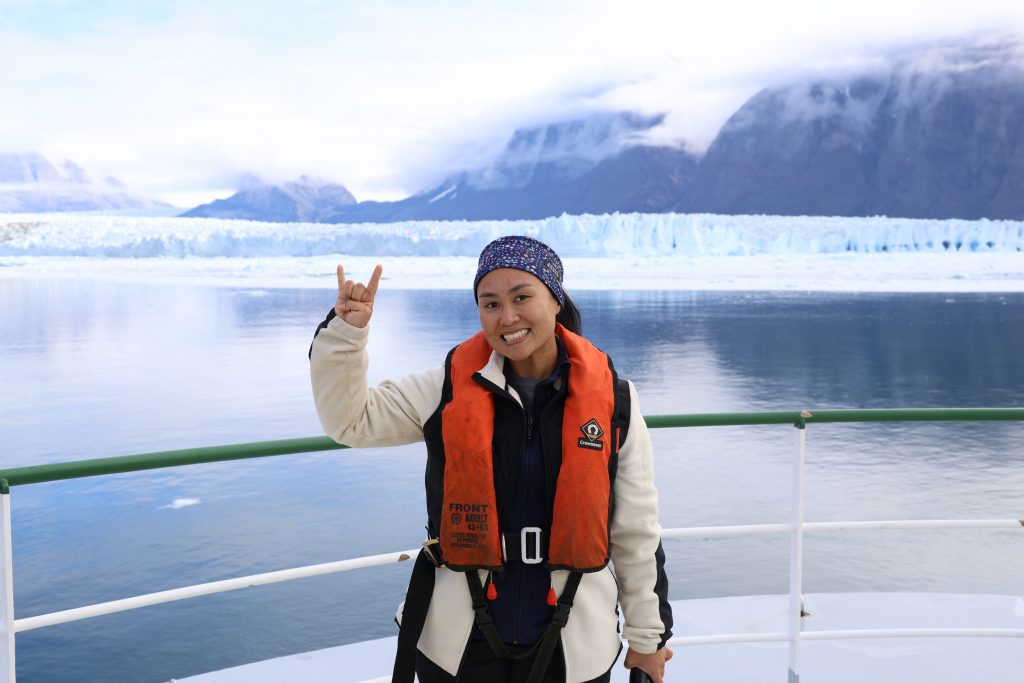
point(469, 525)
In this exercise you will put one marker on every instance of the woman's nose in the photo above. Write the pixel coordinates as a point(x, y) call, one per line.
point(508, 316)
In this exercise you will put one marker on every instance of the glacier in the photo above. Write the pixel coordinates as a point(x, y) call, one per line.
point(612, 235)
point(606, 252)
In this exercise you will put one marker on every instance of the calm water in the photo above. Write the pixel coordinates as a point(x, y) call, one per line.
point(96, 369)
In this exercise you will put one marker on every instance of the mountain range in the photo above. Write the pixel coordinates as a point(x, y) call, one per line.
point(933, 132)
point(306, 200)
point(937, 133)
point(29, 183)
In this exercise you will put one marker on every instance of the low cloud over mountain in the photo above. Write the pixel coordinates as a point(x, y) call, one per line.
point(935, 133)
point(594, 165)
point(929, 133)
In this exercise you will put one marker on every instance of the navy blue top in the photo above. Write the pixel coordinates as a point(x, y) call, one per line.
point(521, 611)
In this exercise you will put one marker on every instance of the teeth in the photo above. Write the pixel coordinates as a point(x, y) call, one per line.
point(513, 337)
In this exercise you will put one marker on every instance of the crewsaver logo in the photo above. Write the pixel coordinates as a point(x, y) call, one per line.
point(592, 434)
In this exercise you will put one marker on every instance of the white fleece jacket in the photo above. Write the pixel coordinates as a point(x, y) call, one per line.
point(393, 413)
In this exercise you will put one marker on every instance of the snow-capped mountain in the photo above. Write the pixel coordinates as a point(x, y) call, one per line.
point(307, 199)
point(31, 183)
point(932, 133)
point(595, 165)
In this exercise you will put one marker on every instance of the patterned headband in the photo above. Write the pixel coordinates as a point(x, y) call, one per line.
point(526, 254)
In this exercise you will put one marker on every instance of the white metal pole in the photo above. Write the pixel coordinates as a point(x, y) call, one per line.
point(6, 590)
point(796, 558)
point(99, 609)
point(816, 527)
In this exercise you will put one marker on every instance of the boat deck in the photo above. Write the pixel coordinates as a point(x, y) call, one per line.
point(879, 660)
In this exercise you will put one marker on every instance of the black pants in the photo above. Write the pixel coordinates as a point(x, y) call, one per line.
point(479, 665)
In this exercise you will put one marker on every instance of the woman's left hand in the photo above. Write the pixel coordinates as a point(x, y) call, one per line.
point(653, 664)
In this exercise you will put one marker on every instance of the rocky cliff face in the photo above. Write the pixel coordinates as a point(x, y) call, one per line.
point(938, 134)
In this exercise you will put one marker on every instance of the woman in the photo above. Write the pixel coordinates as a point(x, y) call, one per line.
point(539, 471)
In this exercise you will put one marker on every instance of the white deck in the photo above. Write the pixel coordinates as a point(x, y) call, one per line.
point(874, 660)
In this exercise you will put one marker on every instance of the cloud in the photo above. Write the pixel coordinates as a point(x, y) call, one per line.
point(386, 97)
point(914, 78)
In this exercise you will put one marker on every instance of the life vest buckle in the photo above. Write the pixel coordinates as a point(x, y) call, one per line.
point(432, 549)
point(561, 615)
point(524, 545)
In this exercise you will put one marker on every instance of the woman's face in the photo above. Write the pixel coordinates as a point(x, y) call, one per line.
point(517, 315)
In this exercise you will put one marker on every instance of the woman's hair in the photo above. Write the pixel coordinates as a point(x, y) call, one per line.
point(569, 316)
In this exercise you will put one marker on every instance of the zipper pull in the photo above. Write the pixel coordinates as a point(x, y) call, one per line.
point(529, 427)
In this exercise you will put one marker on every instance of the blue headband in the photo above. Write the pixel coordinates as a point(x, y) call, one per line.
point(526, 254)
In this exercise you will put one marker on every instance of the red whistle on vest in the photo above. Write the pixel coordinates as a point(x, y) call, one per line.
point(492, 592)
point(552, 600)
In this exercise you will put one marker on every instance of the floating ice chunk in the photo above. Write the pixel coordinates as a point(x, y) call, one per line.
point(179, 503)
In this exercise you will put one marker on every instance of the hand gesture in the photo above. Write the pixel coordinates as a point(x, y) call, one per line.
point(355, 300)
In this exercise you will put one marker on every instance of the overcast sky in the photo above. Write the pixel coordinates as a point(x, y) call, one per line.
point(178, 98)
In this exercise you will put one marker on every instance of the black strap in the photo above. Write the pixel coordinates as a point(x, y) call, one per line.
point(482, 619)
point(545, 647)
point(512, 546)
point(414, 616)
point(548, 641)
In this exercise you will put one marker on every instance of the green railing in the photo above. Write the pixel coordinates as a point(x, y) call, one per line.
point(260, 449)
point(57, 471)
point(796, 527)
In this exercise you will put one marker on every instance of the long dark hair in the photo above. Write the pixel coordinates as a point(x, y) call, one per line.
point(569, 316)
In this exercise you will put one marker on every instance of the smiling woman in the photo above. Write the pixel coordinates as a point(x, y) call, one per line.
point(528, 427)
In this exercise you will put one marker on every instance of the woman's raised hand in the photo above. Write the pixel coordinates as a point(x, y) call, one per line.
point(355, 300)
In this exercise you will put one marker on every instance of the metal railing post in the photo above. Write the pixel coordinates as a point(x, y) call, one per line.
point(6, 588)
point(796, 554)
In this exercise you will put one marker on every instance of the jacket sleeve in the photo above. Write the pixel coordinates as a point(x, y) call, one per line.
point(355, 414)
point(637, 556)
